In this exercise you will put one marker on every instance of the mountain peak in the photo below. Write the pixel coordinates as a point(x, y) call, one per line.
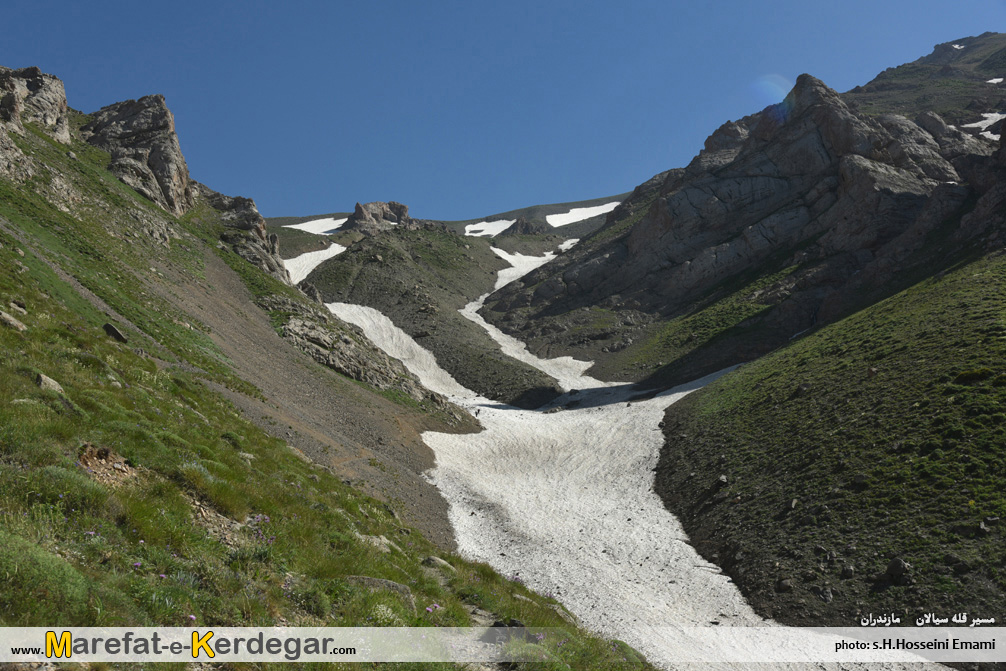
point(140, 135)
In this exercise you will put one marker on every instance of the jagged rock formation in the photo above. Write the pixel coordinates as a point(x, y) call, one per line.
point(249, 238)
point(372, 218)
point(378, 216)
point(30, 95)
point(140, 135)
point(844, 199)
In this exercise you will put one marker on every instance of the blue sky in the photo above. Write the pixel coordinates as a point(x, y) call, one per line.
point(460, 109)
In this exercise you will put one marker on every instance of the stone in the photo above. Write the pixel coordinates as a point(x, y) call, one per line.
point(114, 333)
point(11, 322)
point(784, 585)
point(437, 562)
point(897, 567)
point(46, 383)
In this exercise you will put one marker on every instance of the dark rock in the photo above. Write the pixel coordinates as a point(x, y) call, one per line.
point(897, 567)
point(114, 333)
point(524, 227)
point(784, 585)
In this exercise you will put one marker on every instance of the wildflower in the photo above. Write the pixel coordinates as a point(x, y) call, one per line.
point(137, 564)
point(192, 617)
point(141, 542)
point(163, 576)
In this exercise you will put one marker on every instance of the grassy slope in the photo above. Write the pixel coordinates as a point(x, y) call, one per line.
point(952, 86)
point(128, 547)
point(421, 279)
point(887, 429)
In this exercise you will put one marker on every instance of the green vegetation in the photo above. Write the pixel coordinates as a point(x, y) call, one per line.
point(879, 436)
point(138, 495)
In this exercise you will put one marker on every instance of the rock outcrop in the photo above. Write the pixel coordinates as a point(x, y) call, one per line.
point(378, 216)
point(30, 95)
point(847, 199)
point(140, 135)
point(248, 236)
point(524, 227)
point(344, 348)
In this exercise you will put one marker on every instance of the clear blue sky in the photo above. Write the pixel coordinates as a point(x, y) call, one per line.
point(460, 109)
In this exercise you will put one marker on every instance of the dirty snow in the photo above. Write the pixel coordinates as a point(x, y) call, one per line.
point(580, 213)
point(489, 228)
point(564, 501)
point(301, 266)
point(324, 226)
point(996, 80)
point(568, 244)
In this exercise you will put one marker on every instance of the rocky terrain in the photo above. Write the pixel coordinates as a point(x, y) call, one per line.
point(799, 215)
point(216, 446)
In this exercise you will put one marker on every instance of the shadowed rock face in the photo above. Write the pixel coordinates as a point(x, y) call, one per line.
point(140, 135)
point(810, 182)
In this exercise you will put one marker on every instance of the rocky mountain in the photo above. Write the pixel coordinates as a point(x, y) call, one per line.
point(799, 214)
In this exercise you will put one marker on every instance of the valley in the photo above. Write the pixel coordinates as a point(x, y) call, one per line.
point(764, 389)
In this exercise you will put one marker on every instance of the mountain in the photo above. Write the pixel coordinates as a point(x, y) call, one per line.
point(849, 247)
point(184, 435)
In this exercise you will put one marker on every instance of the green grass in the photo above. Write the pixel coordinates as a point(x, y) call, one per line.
point(891, 418)
point(87, 545)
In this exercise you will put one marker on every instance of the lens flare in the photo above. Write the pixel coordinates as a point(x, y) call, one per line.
point(770, 91)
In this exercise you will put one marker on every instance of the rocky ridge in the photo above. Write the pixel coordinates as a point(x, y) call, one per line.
point(846, 202)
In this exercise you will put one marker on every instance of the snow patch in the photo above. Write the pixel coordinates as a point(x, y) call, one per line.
point(580, 213)
point(988, 119)
point(301, 266)
point(325, 226)
point(564, 500)
point(958, 46)
point(520, 265)
point(488, 228)
point(568, 244)
point(996, 80)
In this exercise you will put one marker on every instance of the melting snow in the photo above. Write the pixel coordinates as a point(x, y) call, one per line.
point(564, 501)
point(997, 80)
point(568, 244)
point(324, 226)
point(958, 46)
point(301, 266)
point(989, 119)
point(490, 228)
point(580, 213)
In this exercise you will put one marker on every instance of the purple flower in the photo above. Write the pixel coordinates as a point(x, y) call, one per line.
point(163, 576)
point(137, 564)
point(192, 617)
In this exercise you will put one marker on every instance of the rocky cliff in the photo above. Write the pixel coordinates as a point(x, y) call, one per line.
point(843, 204)
point(140, 136)
point(29, 96)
